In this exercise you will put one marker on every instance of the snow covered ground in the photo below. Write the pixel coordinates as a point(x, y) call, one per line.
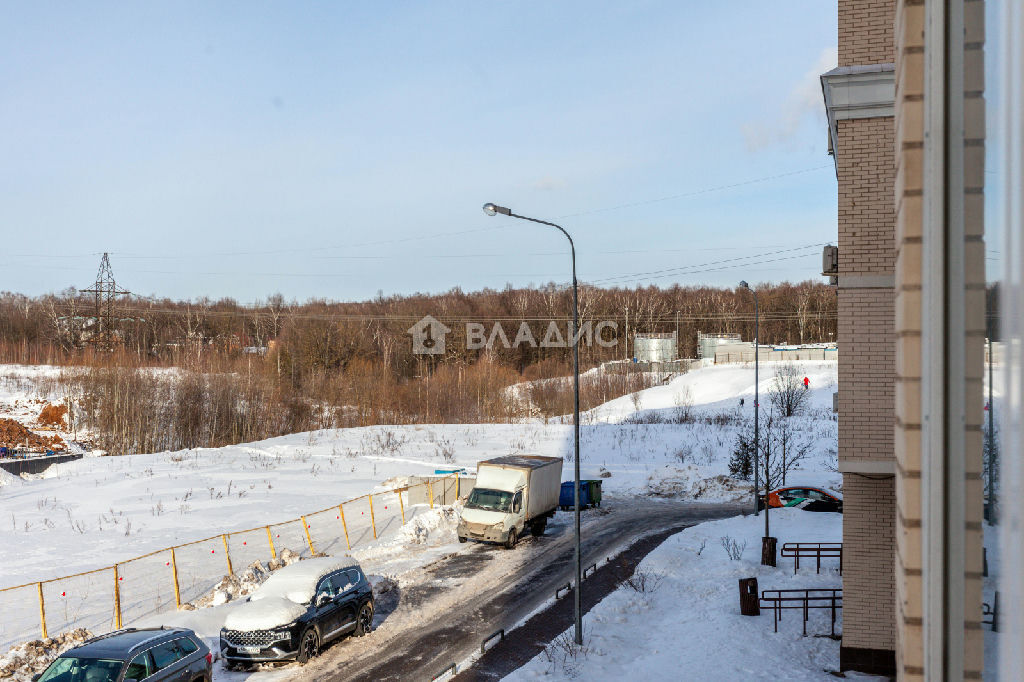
point(97, 511)
point(684, 623)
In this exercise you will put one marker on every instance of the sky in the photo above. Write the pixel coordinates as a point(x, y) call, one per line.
point(344, 150)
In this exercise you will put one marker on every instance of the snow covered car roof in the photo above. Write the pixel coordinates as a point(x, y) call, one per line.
point(297, 582)
point(264, 614)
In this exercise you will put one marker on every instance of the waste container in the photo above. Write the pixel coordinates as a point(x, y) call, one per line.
point(593, 491)
point(750, 605)
point(566, 499)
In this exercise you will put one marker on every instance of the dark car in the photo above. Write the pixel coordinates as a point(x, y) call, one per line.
point(297, 610)
point(808, 498)
point(152, 654)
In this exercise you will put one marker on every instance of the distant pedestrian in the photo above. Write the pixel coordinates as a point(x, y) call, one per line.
point(741, 403)
point(807, 383)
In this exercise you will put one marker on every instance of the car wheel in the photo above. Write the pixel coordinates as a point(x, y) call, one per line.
point(510, 542)
point(309, 645)
point(462, 539)
point(364, 621)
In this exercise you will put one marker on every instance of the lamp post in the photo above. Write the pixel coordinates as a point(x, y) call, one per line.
point(757, 452)
point(492, 209)
point(767, 548)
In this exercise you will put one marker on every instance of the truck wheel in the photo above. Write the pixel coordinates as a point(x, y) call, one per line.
point(511, 541)
point(538, 527)
point(462, 539)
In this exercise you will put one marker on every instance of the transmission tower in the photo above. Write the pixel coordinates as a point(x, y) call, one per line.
point(105, 292)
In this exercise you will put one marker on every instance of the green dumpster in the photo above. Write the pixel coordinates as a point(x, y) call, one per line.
point(594, 488)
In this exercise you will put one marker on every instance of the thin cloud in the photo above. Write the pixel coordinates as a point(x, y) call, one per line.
point(549, 184)
point(802, 103)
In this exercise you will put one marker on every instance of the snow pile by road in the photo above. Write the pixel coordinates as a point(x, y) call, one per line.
point(438, 526)
point(681, 617)
point(30, 658)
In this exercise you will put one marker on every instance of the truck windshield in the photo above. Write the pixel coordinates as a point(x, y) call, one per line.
point(491, 500)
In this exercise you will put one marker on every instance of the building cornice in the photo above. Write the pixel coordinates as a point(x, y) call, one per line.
point(857, 92)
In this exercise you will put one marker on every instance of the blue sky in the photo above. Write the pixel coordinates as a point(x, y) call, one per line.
point(335, 150)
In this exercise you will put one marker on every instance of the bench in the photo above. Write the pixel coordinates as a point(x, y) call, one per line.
point(817, 550)
point(805, 600)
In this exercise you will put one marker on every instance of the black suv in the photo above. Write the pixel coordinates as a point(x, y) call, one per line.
point(297, 610)
point(154, 655)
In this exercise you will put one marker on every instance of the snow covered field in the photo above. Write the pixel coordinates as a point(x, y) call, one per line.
point(97, 511)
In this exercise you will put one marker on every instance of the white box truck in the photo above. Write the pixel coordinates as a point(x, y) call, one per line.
point(511, 495)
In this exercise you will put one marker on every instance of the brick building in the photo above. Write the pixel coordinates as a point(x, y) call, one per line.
point(901, 547)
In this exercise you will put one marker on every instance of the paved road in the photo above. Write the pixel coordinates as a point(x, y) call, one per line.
point(468, 595)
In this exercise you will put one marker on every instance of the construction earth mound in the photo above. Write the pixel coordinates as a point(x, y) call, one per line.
point(15, 436)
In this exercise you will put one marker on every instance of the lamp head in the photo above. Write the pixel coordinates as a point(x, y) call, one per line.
point(743, 284)
point(494, 209)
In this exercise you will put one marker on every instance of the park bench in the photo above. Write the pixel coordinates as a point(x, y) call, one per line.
point(817, 550)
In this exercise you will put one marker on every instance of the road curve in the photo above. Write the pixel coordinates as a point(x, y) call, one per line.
point(469, 594)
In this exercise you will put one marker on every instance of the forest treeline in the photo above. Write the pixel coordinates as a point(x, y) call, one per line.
point(243, 373)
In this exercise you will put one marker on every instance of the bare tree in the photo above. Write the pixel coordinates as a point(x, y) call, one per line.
point(788, 394)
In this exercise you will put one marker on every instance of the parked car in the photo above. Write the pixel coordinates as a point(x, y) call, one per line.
point(151, 654)
point(297, 610)
point(808, 498)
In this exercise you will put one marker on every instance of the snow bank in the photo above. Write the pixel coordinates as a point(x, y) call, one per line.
point(437, 526)
point(28, 659)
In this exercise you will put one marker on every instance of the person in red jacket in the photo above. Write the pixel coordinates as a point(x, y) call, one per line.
point(807, 383)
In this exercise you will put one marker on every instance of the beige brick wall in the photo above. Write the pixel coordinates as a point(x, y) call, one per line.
point(866, 372)
point(911, 234)
point(866, 172)
point(865, 32)
point(869, 522)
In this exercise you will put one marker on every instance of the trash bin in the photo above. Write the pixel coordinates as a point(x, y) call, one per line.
point(593, 491)
point(750, 605)
point(566, 498)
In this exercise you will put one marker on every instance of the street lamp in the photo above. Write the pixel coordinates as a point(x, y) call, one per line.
point(757, 452)
point(493, 209)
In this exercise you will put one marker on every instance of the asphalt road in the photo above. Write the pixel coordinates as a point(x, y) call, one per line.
point(466, 596)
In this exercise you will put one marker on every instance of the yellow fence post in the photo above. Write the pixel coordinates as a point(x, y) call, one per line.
point(117, 599)
point(341, 513)
point(270, 539)
point(305, 527)
point(373, 524)
point(430, 491)
point(402, 505)
point(42, 609)
point(227, 553)
point(174, 573)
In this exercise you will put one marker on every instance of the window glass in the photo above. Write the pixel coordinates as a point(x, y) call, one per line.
point(165, 654)
point(140, 668)
point(517, 503)
point(187, 645)
point(325, 587)
point(69, 669)
point(343, 582)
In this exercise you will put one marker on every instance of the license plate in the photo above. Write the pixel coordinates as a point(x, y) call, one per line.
point(249, 649)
